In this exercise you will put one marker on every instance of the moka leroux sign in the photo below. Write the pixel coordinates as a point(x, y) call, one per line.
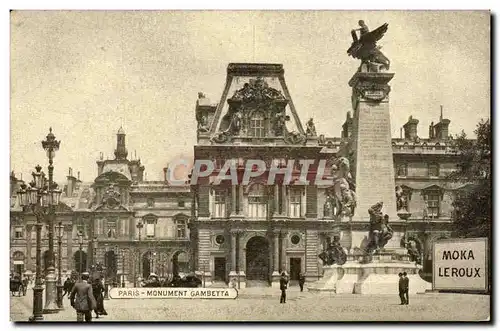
point(460, 264)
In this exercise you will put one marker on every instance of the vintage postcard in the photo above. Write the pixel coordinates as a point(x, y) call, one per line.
point(250, 166)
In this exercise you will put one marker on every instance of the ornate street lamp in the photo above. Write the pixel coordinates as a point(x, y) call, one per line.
point(38, 199)
point(51, 146)
point(80, 242)
point(123, 250)
point(60, 234)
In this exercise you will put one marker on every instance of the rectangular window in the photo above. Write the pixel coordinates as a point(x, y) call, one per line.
point(257, 127)
point(181, 203)
point(181, 228)
point(18, 232)
point(111, 228)
point(150, 228)
point(433, 170)
point(256, 207)
point(433, 200)
point(219, 204)
point(295, 203)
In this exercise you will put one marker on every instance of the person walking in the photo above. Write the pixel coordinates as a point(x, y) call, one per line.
point(68, 286)
point(401, 288)
point(302, 280)
point(406, 287)
point(98, 292)
point(82, 299)
point(283, 287)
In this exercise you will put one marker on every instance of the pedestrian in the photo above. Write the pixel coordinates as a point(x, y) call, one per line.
point(68, 285)
point(283, 287)
point(401, 288)
point(302, 280)
point(82, 299)
point(98, 292)
point(25, 285)
point(406, 287)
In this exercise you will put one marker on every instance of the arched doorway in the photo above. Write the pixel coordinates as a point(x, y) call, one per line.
point(180, 262)
point(257, 257)
point(111, 265)
point(147, 264)
point(80, 258)
point(18, 259)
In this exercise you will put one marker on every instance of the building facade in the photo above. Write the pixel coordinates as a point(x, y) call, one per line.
point(248, 232)
point(126, 225)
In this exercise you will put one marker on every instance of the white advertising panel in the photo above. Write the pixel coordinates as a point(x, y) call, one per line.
point(460, 264)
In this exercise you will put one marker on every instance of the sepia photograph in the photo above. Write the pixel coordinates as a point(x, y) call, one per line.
point(250, 166)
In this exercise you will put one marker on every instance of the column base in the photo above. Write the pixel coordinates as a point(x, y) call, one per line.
point(50, 292)
point(275, 279)
point(60, 291)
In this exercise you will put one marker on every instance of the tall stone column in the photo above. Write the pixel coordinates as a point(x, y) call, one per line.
point(29, 229)
point(68, 229)
point(241, 204)
point(284, 200)
point(276, 247)
point(372, 146)
point(233, 250)
point(234, 193)
point(276, 200)
point(284, 244)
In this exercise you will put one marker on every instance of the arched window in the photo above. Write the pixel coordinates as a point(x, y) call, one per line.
point(257, 125)
point(257, 201)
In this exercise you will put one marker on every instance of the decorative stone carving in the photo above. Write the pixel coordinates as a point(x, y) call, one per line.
point(257, 90)
point(329, 206)
point(279, 121)
point(401, 200)
point(344, 196)
point(380, 231)
point(334, 253)
point(372, 91)
point(311, 128)
point(111, 197)
point(414, 249)
point(294, 138)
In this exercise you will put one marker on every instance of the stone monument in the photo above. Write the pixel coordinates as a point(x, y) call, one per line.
point(375, 257)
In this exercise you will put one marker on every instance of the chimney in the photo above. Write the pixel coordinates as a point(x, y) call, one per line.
point(401, 133)
point(347, 126)
point(431, 131)
point(411, 128)
point(70, 187)
point(78, 175)
point(441, 128)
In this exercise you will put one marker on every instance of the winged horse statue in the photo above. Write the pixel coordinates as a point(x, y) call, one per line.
point(365, 46)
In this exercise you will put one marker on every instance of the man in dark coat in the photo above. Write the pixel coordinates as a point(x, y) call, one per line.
point(302, 280)
point(406, 287)
point(283, 286)
point(82, 299)
point(401, 289)
point(98, 292)
point(68, 286)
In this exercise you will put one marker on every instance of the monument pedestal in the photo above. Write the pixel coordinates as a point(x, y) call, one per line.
point(275, 279)
point(327, 283)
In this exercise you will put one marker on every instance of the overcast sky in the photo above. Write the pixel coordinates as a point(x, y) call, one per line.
point(86, 73)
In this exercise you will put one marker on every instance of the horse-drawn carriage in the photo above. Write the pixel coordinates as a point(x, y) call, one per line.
point(189, 280)
point(16, 285)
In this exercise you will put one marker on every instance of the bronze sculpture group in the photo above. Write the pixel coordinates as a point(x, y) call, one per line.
point(366, 49)
point(333, 253)
point(380, 230)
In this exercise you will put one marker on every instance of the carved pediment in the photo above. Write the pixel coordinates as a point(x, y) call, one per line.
point(258, 92)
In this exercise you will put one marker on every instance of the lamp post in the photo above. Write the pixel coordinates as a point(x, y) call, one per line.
point(51, 146)
point(123, 267)
point(60, 234)
point(80, 242)
point(106, 285)
point(139, 227)
point(38, 198)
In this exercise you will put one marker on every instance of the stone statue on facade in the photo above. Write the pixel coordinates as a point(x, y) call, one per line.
point(279, 120)
point(413, 248)
point(380, 232)
point(311, 128)
point(401, 202)
point(334, 253)
point(329, 207)
point(366, 49)
point(345, 198)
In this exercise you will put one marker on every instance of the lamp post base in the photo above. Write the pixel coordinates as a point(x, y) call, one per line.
point(60, 297)
point(50, 292)
point(37, 304)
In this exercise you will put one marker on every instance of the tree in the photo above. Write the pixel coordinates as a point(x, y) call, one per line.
point(472, 214)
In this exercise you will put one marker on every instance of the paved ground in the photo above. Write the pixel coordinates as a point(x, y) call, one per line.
point(263, 304)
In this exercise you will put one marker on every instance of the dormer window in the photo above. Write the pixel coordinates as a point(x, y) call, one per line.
point(402, 170)
point(257, 128)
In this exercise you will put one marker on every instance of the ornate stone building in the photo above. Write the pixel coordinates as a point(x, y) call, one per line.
point(251, 233)
point(129, 226)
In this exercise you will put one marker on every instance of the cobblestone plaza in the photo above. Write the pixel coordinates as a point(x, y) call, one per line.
point(257, 304)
